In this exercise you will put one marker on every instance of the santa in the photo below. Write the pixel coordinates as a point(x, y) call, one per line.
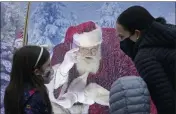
point(86, 65)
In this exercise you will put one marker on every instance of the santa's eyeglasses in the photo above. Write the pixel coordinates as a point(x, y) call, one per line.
point(92, 51)
point(87, 51)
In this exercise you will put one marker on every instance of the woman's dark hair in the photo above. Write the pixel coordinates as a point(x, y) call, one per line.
point(22, 73)
point(137, 18)
point(161, 20)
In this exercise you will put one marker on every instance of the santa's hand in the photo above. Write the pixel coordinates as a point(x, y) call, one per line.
point(69, 60)
point(81, 98)
point(66, 101)
point(78, 84)
point(97, 93)
point(85, 99)
point(77, 87)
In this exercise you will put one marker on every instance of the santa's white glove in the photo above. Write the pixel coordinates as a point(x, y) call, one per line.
point(77, 87)
point(66, 101)
point(69, 60)
point(61, 70)
point(82, 98)
point(97, 93)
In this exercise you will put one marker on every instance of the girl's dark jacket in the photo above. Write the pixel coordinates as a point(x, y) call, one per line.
point(154, 55)
point(33, 103)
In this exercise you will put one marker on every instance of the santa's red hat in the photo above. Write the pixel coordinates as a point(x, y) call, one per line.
point(87, 34)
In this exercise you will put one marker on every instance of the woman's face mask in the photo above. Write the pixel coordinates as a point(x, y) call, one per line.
point(126, 43)
point(127, 46)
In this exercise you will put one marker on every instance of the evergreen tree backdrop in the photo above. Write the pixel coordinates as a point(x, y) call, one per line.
point(109, 12)
point(50, 23)
point(12, 20)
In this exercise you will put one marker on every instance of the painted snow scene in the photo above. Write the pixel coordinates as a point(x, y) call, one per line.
point(12, 23)
point(49, 21)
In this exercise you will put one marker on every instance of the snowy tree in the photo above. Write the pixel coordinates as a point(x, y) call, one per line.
point(64, 24)
point(73, 18)
point(71, 21)
point(50, 24)
point(12, 20)
point(6, 58)
point(108, 14)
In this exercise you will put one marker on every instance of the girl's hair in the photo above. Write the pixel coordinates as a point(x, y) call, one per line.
point(137, 18)
point(22, 73)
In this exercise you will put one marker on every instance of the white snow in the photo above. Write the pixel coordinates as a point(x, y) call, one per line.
point(12, 19)
point(62, 22)
point(108, 14)
point(5, 77)
point(5, 54)
point(50, 23)
point(4, 45)
point(7, 65)
point(50, 30)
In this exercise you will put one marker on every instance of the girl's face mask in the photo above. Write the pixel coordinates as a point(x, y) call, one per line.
point(47, 75)
point(46, 72)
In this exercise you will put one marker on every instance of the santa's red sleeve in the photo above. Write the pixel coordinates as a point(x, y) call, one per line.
point(59, 53)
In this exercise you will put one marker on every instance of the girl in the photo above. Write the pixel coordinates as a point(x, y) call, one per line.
point(26, 92)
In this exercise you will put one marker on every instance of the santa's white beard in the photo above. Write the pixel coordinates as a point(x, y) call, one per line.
point(88, 65)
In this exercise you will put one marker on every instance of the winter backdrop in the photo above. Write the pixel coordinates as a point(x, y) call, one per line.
point(48, 22)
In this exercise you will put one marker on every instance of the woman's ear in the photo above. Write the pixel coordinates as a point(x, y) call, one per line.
point(138, 33)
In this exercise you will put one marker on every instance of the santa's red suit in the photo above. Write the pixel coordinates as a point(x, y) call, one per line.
point(113, 64)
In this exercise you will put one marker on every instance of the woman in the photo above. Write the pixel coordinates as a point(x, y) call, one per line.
point(152, 47)
point(26, 92)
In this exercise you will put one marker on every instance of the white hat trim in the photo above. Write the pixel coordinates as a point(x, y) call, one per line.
point(88, 39)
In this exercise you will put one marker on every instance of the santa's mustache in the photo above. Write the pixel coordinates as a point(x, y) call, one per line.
point(90, 57)
point(80, 57)
point(86, 58)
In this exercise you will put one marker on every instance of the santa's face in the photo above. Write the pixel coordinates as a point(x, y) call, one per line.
point(88, 59)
